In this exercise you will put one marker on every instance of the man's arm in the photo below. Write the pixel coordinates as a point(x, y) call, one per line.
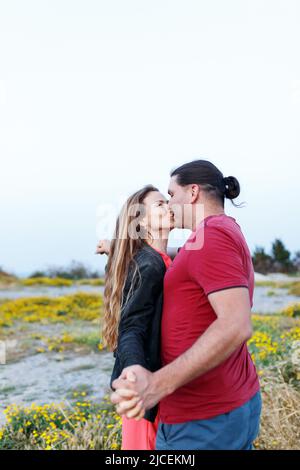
point(103, 247)
point(231, 328)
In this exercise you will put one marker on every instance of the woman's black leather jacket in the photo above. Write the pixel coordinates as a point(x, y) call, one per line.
point(140, 319)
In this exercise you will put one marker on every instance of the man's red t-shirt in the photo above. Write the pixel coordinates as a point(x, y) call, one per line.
point(223, 261)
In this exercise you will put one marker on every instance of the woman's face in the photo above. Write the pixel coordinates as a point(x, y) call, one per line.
point(158, 215)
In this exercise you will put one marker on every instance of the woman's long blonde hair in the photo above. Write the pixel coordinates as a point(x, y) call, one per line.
point(121, 257)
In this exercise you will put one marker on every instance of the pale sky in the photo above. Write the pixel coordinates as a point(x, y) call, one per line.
point(98, 98)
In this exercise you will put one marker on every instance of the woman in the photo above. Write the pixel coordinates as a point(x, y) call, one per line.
point(133, 298)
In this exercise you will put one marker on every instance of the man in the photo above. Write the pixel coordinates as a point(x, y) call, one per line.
point(208, 389)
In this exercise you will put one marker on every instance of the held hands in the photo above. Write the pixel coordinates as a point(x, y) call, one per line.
point(127, 401)
point(134, 395)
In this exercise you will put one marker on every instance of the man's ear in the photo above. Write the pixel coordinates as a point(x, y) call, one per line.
point(195, 192)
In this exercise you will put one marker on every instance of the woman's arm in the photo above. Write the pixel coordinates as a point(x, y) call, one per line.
point(137, 315)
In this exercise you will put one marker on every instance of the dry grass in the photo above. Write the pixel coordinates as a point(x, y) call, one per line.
point(7, 279)
point(295, 289)
point(88, 436)
point(280, 420)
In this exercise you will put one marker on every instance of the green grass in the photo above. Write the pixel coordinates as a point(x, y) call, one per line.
point(295, 289)
point(276, 284)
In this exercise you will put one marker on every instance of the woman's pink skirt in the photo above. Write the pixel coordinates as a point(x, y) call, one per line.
point(139, 435)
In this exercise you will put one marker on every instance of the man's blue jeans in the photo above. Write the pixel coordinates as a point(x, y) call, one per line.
point(235, 430)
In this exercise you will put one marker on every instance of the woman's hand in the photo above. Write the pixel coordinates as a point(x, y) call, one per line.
point(103, 247)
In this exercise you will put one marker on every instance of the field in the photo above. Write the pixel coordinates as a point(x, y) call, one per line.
point(54, 383)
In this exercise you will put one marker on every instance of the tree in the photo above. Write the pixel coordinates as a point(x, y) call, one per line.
point(281, 257)
point(262, 262)
point(296, 261)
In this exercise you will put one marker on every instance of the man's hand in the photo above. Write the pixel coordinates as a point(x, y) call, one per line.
point(135, 391)
point(103, 247)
